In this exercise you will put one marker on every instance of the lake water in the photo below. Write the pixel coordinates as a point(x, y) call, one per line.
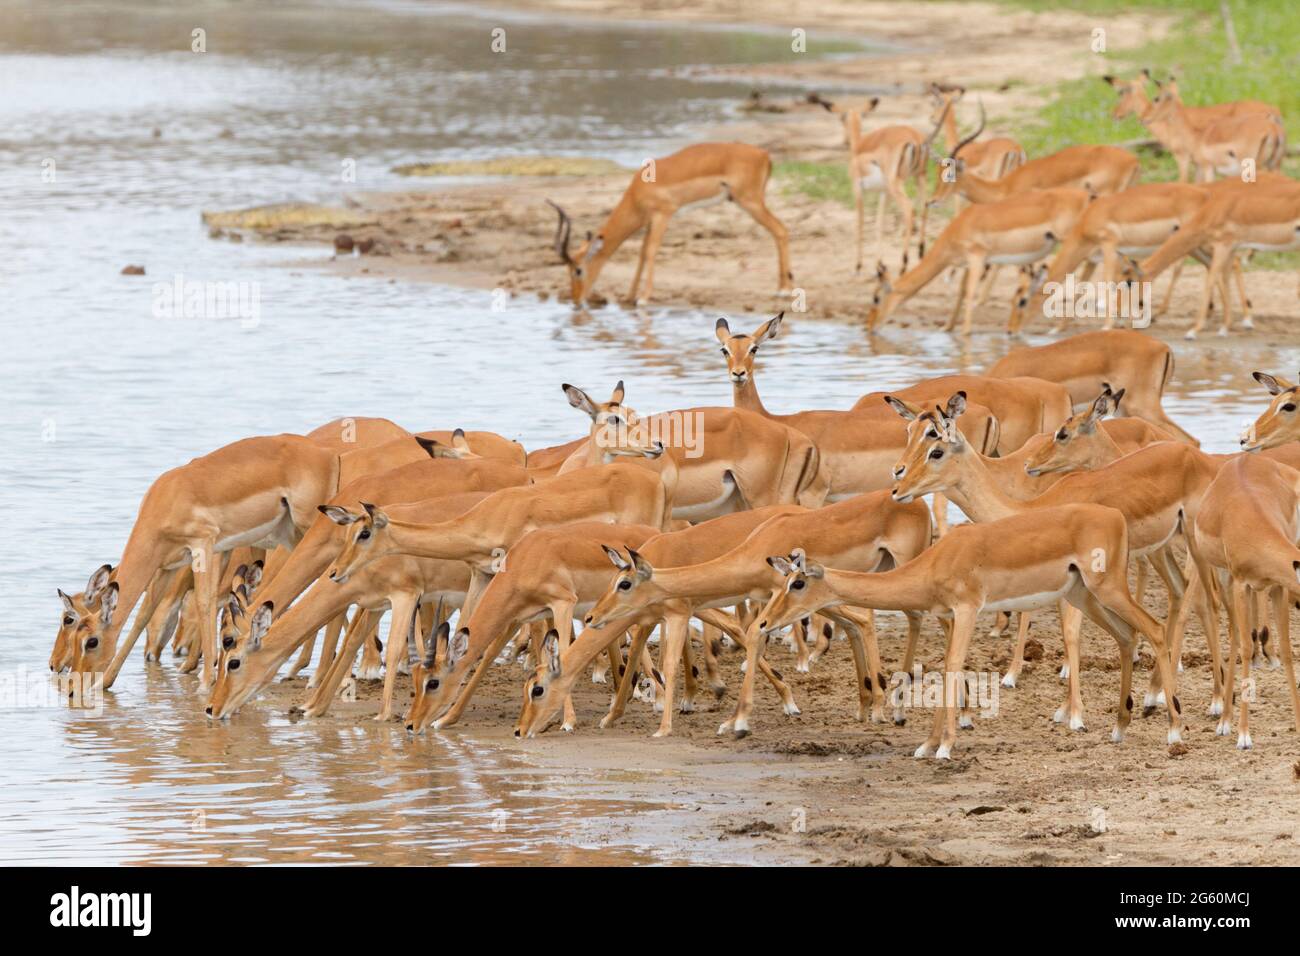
point(113, 136)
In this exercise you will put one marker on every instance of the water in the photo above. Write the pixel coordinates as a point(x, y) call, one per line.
point(101, 396)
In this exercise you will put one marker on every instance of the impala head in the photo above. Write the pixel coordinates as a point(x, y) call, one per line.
point(802, 593)
point(544, 690)
point(1132, 95)
point(366, 539)
point(91, 654)
point(934, 444)
point(1280, 423)
point(430, 688)
point(1067, 450)
point(458, 449)
point(75, 609)
point(740, 349)
point(584, 261)
point(850, 117)
point(244, 666)
point(632, 589)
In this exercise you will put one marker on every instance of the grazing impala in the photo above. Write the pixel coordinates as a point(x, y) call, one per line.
point(1179, 139)
point(697, 175)
point(1016, 563)
point(1156, 488)
point(1262, 215)
point(1097, 170)
point(883, 161)
point(1127, 361)
point(1015, 230)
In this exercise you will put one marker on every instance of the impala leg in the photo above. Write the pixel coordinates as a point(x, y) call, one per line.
point(675, 637)
point(758, 210)
point(318, 702)
point(954, 665)
point(654, 236)
point(329, 647)
point(1282, 613)
point(457, 708)
point(628, 678)
point(1246, 695)
point(975, 270)
point(401, 622)
point(1071, 628)
point(1018, 656)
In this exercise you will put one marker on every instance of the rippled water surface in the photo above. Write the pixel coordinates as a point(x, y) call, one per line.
point(101, 396)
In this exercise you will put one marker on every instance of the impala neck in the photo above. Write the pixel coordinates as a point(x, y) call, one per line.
point(746, 396)
point(460, 539)
point(978, 492)
point(907, 588)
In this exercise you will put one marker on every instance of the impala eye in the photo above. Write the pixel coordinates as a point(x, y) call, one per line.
point(431, 684)
point(233, 665)
point(625, 585)
point(936, 454)
point(538, 690)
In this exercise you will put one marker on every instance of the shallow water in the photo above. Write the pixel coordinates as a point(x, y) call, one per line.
point(101, 395)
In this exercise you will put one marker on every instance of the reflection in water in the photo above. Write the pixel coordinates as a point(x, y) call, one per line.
point(101, 397)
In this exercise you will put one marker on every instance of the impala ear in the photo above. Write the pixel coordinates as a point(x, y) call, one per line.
point(956, 405)
point(906, 410)
point(98, 581)
point(259, 625)
point(377, 516)
point(580, 400)
point(615, 558)
point(769, 329)
point(551, 651)
point(340, 516)
point(722, 330)
point(108, 604)
point(1275, 385)
point(616, 397)
point(457, 646)
point(67, 601)
point(644, 571)
point(781, 564)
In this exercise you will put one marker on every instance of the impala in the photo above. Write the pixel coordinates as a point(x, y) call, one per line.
point(1263, 215)
point(858, 447)
point(1097, 170)
point(697, 175)
point(398, 582)
point(1015, 230)
point(883, 161)
point(1156, 488)
point(867, 531)
point(1133, 101)
point(1016, 563)
point(1246, 533)
point(1128, 361)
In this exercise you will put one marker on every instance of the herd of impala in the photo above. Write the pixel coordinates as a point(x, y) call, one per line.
point(1081, 206)
point(573, 556)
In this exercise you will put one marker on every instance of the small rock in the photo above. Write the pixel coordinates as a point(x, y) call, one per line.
point(133, 270)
